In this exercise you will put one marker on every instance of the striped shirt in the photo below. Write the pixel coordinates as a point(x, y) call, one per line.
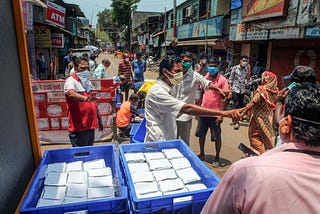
point(124, 69)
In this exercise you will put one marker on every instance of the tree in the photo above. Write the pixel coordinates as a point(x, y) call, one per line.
point(121, 13)
point(107, 25)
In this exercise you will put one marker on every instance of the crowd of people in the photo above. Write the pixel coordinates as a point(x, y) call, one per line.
point(288, 118)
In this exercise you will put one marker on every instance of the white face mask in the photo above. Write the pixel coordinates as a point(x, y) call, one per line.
point(244, 64)
point(126, 59)
point(176, 78)
point(84, 76)
point(204, 61)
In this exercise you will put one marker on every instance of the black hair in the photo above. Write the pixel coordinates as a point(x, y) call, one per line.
point(85, 55)
point(92, 57)
point(187, 54)
point(167, 63)
point(213, 60)
point(105, 61)
point(134, 97)
point(303, 101)
point(138, 54)
point(70, 50)
point(141, 95)
point(78, 60)
point(244, 56)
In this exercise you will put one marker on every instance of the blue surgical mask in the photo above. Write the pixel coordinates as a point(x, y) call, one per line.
point(213, 70)
point(84, 76)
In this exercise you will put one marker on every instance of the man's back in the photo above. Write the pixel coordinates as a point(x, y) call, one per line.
point(279, 181)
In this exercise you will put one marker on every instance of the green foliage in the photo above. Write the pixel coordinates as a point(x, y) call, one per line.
point(107, 25)
point(121, 13)
point(103, 36)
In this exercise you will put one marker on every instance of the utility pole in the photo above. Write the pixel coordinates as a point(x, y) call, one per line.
point(174, 19)
point(165, 29)
point(206, 37)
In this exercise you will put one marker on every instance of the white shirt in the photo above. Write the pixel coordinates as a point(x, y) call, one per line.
point(161, 111)
point(187, 89)
point(72, 83)
point(92, 66)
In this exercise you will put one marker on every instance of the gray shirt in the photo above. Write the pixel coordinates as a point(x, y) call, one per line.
point(237, 79)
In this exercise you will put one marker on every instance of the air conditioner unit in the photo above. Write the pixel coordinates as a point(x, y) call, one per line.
point(189, 11)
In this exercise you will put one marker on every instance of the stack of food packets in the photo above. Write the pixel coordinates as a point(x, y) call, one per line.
point(76, 182)
point(162, 173)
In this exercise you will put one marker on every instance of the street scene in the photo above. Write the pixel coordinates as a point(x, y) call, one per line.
point(174, 106)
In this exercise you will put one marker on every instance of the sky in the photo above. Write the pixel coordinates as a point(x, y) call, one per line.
point(92, 7)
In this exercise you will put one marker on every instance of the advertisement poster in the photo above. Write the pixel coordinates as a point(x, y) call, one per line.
point(262, 9)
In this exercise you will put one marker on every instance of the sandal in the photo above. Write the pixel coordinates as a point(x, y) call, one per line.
point(217, 164)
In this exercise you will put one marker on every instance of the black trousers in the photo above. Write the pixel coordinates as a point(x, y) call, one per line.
point(238, 100)
point(82, 138)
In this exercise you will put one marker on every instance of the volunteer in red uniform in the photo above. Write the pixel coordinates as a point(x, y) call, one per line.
point(81, 106)
point(126, 114)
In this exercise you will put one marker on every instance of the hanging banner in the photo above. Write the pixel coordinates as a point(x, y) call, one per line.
point(55, 14)
point(262, 9)
point(27, 10)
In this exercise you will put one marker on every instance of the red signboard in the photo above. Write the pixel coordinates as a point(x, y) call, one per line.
point(56, 14)
point(57, 40)
point(262, 9)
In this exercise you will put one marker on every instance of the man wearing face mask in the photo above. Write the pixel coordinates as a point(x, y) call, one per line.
point(83, 115)
point(162, 108)
point(212, 100)
point(238, 77)
point(124, 69)
point(126, 115)
point(100, 71)
point(284, 179)
point(186, 92)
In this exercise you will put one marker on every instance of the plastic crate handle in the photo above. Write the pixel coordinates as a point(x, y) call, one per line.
point(81, 154)
point(182, 199)
point(151, 146)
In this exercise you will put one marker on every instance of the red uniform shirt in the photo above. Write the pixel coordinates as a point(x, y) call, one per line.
point(82, 116)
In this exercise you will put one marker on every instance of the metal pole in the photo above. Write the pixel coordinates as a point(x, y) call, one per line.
point(206, 37)
point(174, 19)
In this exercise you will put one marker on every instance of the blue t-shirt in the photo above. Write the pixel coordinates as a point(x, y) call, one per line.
point(138, 70)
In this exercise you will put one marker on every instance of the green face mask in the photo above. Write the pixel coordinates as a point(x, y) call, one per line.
point(186, 65)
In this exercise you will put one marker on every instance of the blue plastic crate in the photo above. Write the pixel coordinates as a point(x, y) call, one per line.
point(133, 130)
point(118, 204)
point(140, 134)
point(190, 202)
point(141, 110)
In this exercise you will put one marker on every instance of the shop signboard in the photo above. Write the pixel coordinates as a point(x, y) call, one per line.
point(42, 37)
point(184, 31)
point(55, 14)
point(57, 40)
point(262, 9)
point(303, 17)
point(214, 27)
point(27, 10)
point(312, 32)
point(242, 33)
point(285, 33)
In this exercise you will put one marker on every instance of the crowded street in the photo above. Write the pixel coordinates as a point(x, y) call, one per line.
point(149, 107)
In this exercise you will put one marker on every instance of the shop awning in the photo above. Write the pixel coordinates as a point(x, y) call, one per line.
point(197, 42)
point(37, 2)
point(60, 29)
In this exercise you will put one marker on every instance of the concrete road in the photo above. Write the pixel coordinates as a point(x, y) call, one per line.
point(230, 137)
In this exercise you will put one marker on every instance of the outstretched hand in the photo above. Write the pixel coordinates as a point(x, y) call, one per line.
point(235, 114)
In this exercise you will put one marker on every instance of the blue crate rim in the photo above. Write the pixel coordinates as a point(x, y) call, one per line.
point(179, 195)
